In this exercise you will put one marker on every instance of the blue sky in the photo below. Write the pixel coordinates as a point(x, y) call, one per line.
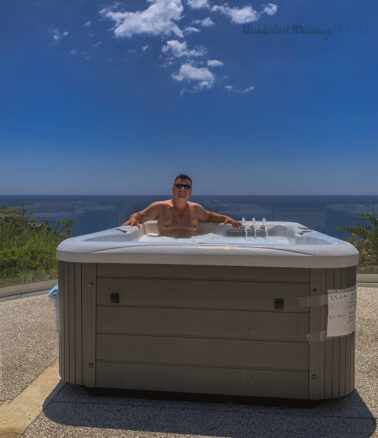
point(118, 98)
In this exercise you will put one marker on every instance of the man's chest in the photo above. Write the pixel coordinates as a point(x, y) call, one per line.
point(173, 218)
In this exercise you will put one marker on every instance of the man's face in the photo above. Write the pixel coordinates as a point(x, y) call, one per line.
point(184, 189)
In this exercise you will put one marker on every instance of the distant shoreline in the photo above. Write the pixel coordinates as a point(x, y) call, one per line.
point(207, 195)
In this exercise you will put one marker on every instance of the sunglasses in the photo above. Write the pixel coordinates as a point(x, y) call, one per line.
point(183, 186)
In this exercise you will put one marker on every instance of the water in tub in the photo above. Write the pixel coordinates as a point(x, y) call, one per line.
point(213, 238)
point(224, 236)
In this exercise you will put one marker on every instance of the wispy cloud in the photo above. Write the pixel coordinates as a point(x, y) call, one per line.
point(214, 63)
point(87, 24)
point(270, 9)
point(197, 4)
point(244, 91)
point(144, 48)
point(96, 44)
point(191, 29)
point(201, 75)
point(177, 49)
point(206, 22)
point(242, 15)
point(248, 89)
point(158, 19)
point(58, 35)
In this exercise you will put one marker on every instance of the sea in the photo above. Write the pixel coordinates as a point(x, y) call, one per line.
point(99, 212)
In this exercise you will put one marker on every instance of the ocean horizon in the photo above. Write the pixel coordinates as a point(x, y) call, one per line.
point(324, 213)
point(7, 195)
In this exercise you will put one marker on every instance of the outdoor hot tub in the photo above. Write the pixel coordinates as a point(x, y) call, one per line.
point(265, 311)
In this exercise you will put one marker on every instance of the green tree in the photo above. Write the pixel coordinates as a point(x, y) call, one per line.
point(365, 237)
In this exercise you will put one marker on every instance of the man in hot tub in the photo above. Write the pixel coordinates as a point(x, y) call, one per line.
point(177, 217)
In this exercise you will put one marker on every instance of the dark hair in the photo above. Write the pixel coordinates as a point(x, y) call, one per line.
point(182, 176)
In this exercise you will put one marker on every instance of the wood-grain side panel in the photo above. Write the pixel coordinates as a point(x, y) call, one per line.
point(208, 380)
point(336, 346)
point(316, 330)
point(61, 317)
point(200, 351)
point(71, 321)
point(328, 368)
point(89, 323)
point(203, 323)
point(230, 273)
point(209, 294)
point(66, 324)
point(78, 325)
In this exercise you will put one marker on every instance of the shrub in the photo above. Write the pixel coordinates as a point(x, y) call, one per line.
point(365, 238)
point(27, 246)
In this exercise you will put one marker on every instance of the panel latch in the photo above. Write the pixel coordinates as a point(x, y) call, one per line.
point(279, 303)
point(114, 298)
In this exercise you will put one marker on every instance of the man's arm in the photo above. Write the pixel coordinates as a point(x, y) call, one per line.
point(210, 216)
point(148, 214)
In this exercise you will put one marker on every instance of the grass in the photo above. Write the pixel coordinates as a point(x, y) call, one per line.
point(367, 269)
point(28, 277)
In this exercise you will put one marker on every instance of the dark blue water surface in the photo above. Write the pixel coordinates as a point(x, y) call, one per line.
point(95, 213)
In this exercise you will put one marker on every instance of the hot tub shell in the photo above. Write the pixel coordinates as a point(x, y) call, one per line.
point(184, 319)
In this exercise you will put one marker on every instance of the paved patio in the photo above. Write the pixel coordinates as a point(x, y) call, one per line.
point(29, 345)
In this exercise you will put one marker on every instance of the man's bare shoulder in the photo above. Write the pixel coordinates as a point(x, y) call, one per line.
point(161, 204)
point(196, 206)
point(199, 211)
point(166, 202)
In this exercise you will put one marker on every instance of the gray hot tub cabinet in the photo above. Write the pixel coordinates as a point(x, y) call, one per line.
point(237, 330)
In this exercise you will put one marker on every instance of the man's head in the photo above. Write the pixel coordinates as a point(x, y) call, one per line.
point(182, 187)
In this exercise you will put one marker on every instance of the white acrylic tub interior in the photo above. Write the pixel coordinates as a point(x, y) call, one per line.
point(288, 244)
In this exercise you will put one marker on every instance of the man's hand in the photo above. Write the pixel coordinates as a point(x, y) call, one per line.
point(148, 214)
point(233, 222)
point(133, 221)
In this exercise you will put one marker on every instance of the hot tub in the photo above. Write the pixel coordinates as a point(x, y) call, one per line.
point(255, 312)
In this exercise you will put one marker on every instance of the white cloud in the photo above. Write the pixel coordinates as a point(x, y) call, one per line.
point(270, 9)
point(163, 18)
point(58, 35)
point(214, 63)
point(177, 49)
point(87, 24)
point(201, 75)
point(206, 22)
point(158, 19)
point(96, 44)
point(248, 89)
point(245, 91)
point(191, 29)
point(73, 52)
point(238, 15)
point(197, 4)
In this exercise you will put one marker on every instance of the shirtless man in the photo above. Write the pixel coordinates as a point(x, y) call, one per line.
point(177, 217)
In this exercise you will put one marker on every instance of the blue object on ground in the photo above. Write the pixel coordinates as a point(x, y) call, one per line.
point(53, 292)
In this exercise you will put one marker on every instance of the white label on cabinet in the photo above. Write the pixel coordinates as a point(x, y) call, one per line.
point(341, 311)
